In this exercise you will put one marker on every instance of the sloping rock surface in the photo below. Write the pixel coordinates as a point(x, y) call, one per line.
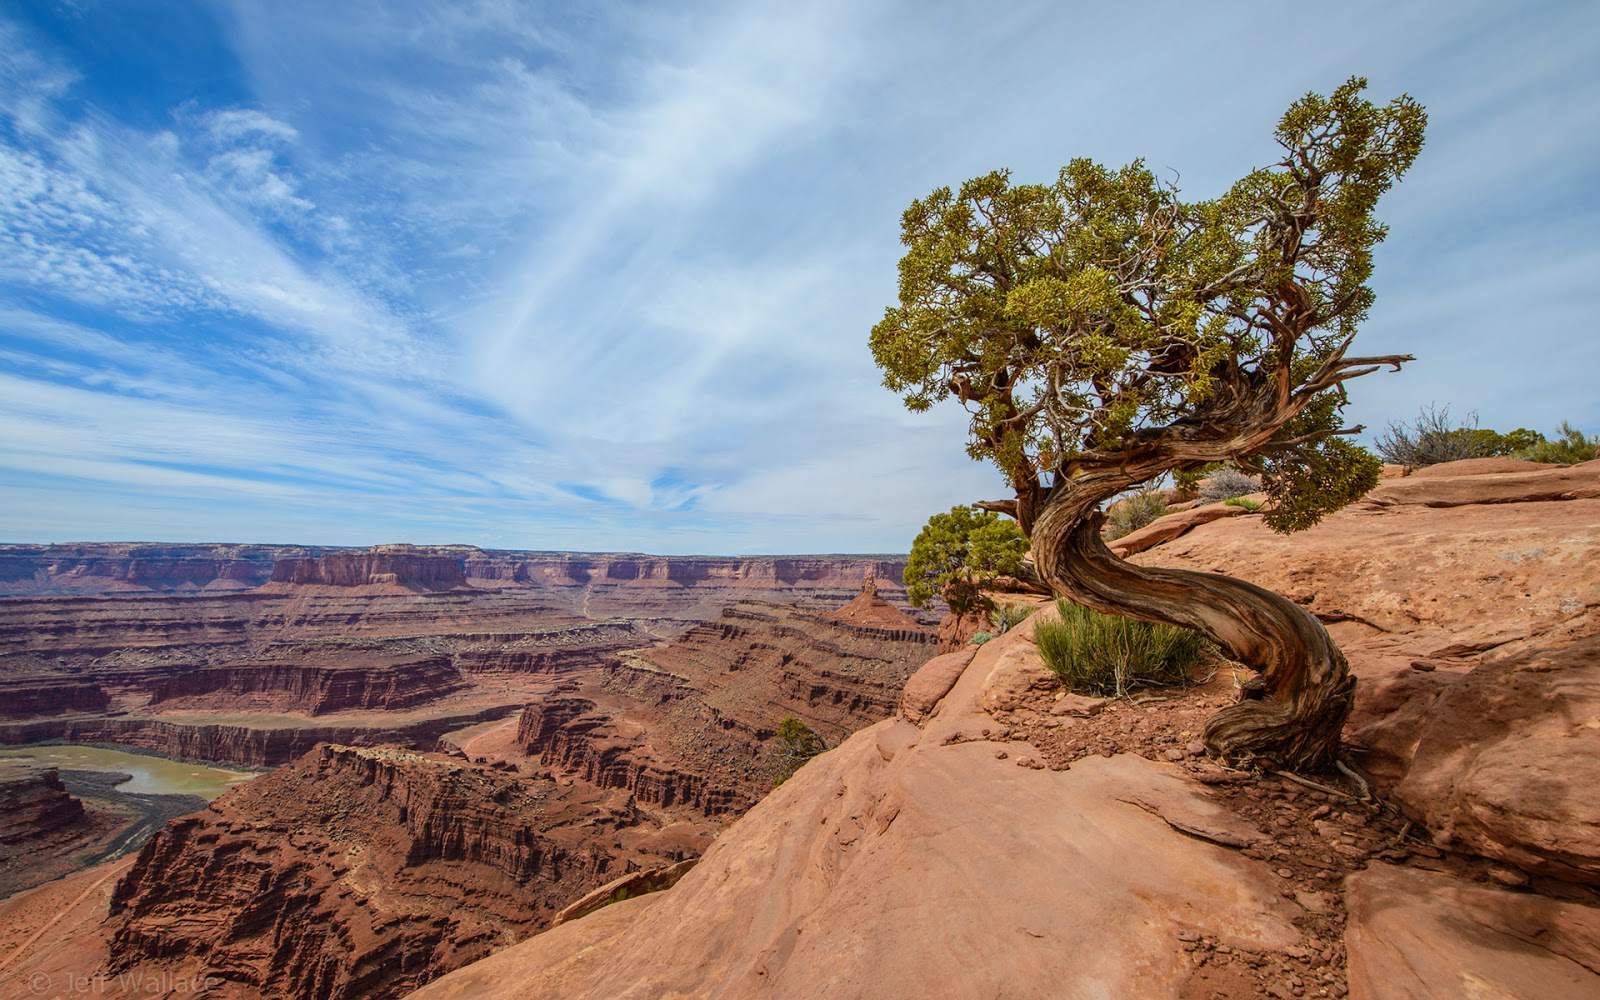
point(1422, 936)
point(922, 862)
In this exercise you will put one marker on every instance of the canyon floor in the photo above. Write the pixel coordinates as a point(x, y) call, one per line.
point(975, 831)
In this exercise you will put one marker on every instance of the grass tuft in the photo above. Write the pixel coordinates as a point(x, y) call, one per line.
point(1101, 654)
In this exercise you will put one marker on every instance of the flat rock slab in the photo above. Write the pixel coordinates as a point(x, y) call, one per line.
point(1439, 488)
point(1424, 936)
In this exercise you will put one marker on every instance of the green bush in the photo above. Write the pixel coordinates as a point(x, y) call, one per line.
point(1134, 511)
point(1248, 504)
point(1570, 448)
point(1187, 481)
point(979, 638)
point(1101, 654)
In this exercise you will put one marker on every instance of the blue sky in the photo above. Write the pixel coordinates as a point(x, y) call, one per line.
point(599, 275)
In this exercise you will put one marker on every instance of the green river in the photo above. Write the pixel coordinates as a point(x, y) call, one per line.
point(151, 775)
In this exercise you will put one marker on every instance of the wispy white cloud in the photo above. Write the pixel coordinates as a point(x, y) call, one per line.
point(602, 277)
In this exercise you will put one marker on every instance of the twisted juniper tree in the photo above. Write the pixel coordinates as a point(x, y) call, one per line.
point(1101, 331)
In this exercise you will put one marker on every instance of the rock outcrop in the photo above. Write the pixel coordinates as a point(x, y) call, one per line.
point(111, 568)
point(33, 804)
point(242, 743)
point(360, 873)
point(1423, 936)
point(405, 566)
point(868, 610)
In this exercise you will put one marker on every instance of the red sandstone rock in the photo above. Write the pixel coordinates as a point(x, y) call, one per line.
point(932, 681)
point(26, 695)
point(869, 610)
point(360, 873)
point(1165, 529)
point(312, 688)
point(1424, 936)
point(1450, 485)
point(33, 804)
point(1507, 759)
point(397, 565)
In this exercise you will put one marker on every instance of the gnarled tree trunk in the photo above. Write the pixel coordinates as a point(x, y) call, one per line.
point(1291, 714)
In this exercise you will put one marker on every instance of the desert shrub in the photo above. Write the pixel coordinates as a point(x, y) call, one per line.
point(1432, 439)
point(1228, 482)
point(1009, 616)
point(979, 638)
point(796, 744)
point(1134, 511)
point(1103, 654)
point(1569, 448)
point(1248, 504)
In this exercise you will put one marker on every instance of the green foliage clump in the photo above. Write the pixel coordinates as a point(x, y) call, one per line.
point(797, 743)
point(957, 553)
point(1569, 448)
point(1134, 512)
point(1248, 504)
point(1101, 654)
point(979, 638)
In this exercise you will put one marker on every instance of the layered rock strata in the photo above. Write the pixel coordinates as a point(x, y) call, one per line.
point(689, 722)
point(49, 694)
point(361, 873)
point(33, 804)
point(312, 689)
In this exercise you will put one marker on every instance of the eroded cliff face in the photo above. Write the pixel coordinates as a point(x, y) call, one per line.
point(363, 872)
point(690, 722)
point(313, 688)
point(240, 743)
point(33, 694)
point(110, 568)
point(389, 565)
point(33, 804)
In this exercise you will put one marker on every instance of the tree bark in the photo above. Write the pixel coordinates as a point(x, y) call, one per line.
point(1291, 714)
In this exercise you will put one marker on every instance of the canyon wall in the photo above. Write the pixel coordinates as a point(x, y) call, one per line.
point(395, 565)
point(241, 743)
point(25, 695)
point(312, 688)
point(360, 873)
point(130, 569)
point(692, 721)
point(99, 568)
